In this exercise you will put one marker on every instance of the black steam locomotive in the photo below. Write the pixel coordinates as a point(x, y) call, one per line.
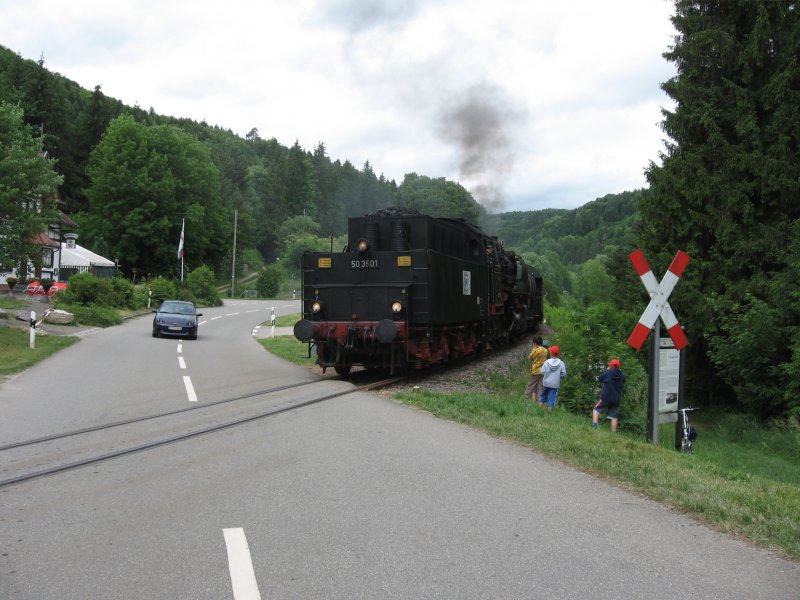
point(410, 291)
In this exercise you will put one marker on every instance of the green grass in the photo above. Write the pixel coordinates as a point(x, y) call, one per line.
point(286, 320)
point(12, 304)
point(16, 354)
point(289, 348)
point(743, 479)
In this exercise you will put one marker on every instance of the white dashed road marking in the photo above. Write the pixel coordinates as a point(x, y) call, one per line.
point(181, 362)
point(187, 382)
point(240, 564)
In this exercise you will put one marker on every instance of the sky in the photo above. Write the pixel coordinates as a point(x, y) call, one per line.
point(529, 104)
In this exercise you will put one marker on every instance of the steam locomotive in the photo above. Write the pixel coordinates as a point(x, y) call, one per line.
point(410, 290)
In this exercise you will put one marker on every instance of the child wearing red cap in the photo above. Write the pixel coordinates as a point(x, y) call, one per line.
point(611, 395)
point(553, 371)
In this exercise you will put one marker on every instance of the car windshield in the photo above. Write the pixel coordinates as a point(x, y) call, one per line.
point(177, 308)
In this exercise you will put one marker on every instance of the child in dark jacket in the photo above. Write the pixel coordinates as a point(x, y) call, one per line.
point(611, 395)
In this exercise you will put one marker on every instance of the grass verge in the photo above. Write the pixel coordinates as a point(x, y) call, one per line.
point(16, 354)
point(289, 348)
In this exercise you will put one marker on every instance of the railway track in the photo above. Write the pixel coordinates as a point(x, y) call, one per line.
point(36, 458)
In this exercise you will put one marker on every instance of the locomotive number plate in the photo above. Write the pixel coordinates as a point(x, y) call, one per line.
point(364, 263)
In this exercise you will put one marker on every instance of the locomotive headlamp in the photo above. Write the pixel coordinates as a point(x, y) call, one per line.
point(363, 245)
point(397, 306)
point(316, 307)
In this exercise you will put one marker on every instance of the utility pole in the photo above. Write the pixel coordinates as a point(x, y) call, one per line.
point(233, 265)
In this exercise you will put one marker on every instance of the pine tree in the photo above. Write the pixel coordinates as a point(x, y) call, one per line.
point(728, 191)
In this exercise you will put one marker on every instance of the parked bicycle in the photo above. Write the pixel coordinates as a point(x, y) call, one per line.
point(688, 433)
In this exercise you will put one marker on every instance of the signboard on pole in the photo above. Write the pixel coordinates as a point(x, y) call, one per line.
point(669, 374)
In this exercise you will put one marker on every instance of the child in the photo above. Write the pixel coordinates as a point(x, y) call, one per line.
point(537, 357)
point(611, 395)
point(553, 371)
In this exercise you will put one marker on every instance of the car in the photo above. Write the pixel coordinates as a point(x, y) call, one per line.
point(176, 317)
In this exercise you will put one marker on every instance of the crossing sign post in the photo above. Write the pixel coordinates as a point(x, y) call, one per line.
point(658, 308)
point(659, 293)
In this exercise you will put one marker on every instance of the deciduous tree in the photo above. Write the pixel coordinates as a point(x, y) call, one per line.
point(28, 184)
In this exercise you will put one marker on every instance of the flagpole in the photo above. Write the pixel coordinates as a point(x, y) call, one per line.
point(180, 246)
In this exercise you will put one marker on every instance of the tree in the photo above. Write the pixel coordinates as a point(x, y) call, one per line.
point(27, 191)
point(438, 198)
point(295, 227)
point(727, 191)
point(269, 281)
point(144, 182)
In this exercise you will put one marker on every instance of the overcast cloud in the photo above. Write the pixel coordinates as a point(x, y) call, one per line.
point(529, 104)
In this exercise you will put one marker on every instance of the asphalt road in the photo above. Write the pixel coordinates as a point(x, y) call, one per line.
point(356, 497)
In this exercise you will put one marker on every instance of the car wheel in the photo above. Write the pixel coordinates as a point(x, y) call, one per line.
point(193, 335)
point(155, 332)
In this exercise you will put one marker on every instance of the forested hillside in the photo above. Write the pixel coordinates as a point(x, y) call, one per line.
point(577, 235)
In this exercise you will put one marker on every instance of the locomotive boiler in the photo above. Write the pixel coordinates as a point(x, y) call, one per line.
point(409, 291)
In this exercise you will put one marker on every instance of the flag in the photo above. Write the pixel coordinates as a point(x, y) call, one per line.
point(180, 243)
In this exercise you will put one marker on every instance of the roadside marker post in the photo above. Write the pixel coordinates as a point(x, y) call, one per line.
point(32, 336)
point(658, 308)
point(272, 321)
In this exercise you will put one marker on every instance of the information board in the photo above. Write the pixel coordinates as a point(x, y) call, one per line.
point(669, 371)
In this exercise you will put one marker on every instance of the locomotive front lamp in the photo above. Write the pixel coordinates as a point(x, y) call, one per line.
point(397, 306)
point(363, 245)
point(316, 307)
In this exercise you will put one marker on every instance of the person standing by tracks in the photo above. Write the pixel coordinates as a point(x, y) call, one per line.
point(537, 357)
point(553, 371)
point(610, 396)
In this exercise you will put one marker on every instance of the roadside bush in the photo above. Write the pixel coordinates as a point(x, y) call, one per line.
point(162, 289)
point(87, 289)
point(96, 316)
point(589, 338)
point(201, 283)
point(269, 282)
point(124, 293)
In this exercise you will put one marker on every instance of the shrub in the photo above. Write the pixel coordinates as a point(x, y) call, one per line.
point(96, 316)
point(161, 289)
point(589, 338)
point(269, 282)
point(201, 283)
point(124, 293)
point(87, 289)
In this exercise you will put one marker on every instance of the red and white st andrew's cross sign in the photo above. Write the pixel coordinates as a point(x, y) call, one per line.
point(659, 293)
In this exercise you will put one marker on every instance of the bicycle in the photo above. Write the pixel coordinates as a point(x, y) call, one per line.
point(688, 433)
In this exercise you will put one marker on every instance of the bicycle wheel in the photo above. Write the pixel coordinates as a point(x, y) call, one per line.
point(686, 445)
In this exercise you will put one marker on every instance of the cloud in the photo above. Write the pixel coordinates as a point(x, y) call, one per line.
point(527, 104)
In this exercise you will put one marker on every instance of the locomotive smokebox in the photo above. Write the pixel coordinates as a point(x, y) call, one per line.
point(386, 331)
point(304, 330)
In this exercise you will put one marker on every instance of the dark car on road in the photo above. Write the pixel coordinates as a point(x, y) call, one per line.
point(176, 317)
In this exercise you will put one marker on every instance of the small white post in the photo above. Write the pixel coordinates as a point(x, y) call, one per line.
point(33, 330)
point(272, 321)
